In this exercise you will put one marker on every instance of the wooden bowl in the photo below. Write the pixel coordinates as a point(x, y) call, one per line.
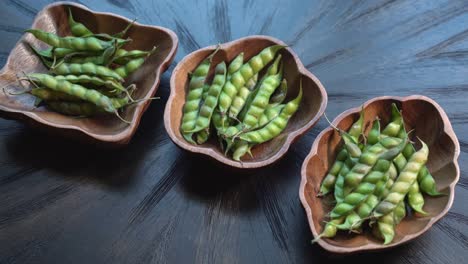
point(312, 106)
point(107, 129)
point(430, 123)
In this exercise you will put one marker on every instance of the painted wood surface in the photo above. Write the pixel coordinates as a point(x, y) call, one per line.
point(151, 202)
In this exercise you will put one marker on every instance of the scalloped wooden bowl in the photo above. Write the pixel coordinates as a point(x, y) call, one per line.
point(108, 129)
point(430, 123)
point(312, 106)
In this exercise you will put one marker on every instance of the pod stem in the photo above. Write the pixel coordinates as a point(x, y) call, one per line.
point(121, 118)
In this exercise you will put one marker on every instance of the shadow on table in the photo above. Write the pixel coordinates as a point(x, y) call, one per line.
point(237, 190)
point(115, 168)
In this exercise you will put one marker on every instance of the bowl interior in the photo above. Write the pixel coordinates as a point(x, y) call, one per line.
point(309, 109)
point(428, 124)
point(54, 19)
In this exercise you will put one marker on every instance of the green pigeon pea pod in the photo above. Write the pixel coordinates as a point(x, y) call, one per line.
point(202, 136)
point(52, 52)
point(240, 149)
point(275, 126)
point(269, 114)
point(125, 70)
point(51, 95)
point(194, 97)
point(74, 43)
point(416, 199)
point(235, 65)
point(123, 56)
point(425, 179)
point(206, 87)
point(330, 229)
point(280, 94)
point(351, 222)
point(386, 227)
point(394, 127)
point(94, 80)
point(239, 100)
point(103, 59)
point(399, 212)
point(362, 191)
point(330, 179)
point(77, 29)
point(206, 110)
point(88, 95)
point(374, 134)
point(260, 101)
point(404, 181)
point(240, 77)
point(386, 149)
point(73, 108)
point(85, 69)
point(336, 182)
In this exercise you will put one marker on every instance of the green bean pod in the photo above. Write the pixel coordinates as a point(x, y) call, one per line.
point(73, 108)
point(123, 56)
point(239, 100)
point(74, 43)
point(276, 126)
point(386, 149)
point(240, 77)
point(404, 181)
point(76, 90)
point(260, 101)
point(280, 94)
point(87, 79)
point(330, 179)
point(51, 95)
point(194, 97)
point(425, 179)
point(85, 69)
point(330, 229)
point(362, 191)
point(77, 29)
point(235, 65)
point(209, 105)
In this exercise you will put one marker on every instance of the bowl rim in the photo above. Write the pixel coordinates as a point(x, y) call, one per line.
point(313, 152)
point(221, 158)
point(125, 135)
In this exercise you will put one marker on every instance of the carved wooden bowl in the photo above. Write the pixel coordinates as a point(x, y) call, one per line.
point(312, 106)
point(431, 124)
point(107, 129)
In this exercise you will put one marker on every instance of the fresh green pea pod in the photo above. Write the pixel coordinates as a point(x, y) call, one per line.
point(133, 65)
point(202, 136)
point(351, 222)
point(206, 110)
point(194, 97)
point(89, 95)
point(277, 125)
point(103, 59)
point(404, 181)
point(330, 229)
point(73, 108)
point(88, 79)
point(260, 101)
point(123, 56)
point(239, 100)
point(386, 227)
point(280, 94)
point(51, 95)
point(85, 69)
point(74, 43)
point(399, 212)
point(386, 149)
point(362, 191)
point(235, 65)
point(240, 77)
point(77, 29)
point(240, 149)
point(330, 179)
point(374, 133)
point(416, 199)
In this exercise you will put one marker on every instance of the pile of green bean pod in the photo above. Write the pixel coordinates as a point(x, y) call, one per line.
point(374, 177)
point(244, 104)
point(87, 71)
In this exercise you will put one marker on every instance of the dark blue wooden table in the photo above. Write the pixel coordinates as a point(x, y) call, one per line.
point(151, 202)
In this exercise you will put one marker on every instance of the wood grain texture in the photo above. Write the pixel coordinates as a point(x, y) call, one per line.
point(63, 202)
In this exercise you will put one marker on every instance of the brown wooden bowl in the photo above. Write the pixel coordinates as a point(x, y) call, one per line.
point(107, 129)
point(430, 123)
point(312, 106)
